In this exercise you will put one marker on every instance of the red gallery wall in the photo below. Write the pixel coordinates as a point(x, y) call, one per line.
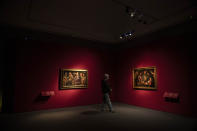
point(171, 57)
point(37, 70)
point(38, 64)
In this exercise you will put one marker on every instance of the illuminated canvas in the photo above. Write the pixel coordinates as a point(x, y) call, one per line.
point(145, 78)
point(73, 78)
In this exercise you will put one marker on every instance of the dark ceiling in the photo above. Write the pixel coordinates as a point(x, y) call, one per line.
point(97, 20)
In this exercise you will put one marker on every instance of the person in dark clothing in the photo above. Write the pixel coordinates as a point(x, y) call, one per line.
point(106, 90)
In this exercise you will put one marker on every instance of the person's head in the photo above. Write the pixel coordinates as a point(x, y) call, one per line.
point(70, 74)
point(106, 76)
point(81, 74)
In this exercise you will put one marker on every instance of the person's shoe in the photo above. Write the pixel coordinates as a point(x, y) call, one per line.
point(112, 111)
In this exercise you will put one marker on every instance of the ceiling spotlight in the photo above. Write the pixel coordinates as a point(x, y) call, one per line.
point(127, 35)
point(133, 13)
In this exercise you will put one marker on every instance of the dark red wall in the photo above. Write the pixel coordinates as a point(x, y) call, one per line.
point(37, 69)
point(171, 57)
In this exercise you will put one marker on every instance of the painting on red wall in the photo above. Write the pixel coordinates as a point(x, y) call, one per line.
point(73, 78)
point(145, 78)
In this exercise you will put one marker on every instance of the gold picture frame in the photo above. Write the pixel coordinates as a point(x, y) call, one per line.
point(145, 78)
point(73, 79)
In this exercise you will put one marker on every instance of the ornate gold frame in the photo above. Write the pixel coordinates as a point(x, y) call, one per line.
point(64, 85)
point(151, 77)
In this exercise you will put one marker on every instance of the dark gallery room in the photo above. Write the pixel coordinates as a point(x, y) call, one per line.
point(120, 65)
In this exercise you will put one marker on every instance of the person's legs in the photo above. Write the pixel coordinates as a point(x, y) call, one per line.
point(103, 103)
point(108, 101)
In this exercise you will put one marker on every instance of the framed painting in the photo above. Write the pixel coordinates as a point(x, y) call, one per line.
point(73, 78)
point(145, 78)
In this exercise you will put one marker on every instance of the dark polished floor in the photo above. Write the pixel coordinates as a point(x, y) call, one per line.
point(89, 118)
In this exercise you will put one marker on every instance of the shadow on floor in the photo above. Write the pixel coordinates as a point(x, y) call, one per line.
point(90, 112)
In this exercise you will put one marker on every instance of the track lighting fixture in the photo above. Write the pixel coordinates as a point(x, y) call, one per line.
point(135, 14)
point(127, 35)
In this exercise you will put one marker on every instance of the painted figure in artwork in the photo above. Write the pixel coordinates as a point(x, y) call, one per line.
point(65, 79)
point(70, 80)
point(77, 79)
